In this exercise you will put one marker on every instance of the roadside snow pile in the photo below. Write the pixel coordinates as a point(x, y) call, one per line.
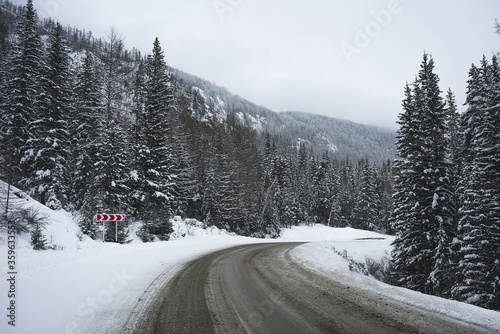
point(320, 232)
point(192, 228)
point(333, 251)
point(345, 249)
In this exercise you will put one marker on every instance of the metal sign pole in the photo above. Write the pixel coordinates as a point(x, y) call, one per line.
point(109, 217)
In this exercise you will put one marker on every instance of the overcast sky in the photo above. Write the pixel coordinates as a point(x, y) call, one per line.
point(343, 58)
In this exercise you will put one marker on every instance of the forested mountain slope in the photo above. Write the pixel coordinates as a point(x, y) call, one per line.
point(91, 126)
point(340, 138)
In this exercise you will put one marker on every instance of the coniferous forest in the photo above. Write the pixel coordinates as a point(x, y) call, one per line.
point(89, 126)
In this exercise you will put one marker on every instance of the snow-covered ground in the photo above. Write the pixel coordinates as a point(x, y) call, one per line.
point(92, 287)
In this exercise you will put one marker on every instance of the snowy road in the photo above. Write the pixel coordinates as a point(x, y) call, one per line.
point(260, 289)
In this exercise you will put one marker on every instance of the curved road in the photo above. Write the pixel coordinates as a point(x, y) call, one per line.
point(260, 289)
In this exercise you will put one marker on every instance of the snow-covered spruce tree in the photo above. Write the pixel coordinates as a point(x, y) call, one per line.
point(269, 216)
point(85, 131)
point(209, 207)
point(446, 210)
point(4, 51)
point(107, 190)
point(280, 204)
point(385, 191)
point(284, 197)
point(156, 157)
point(441, 207)
point(410, 235)
point(49, 184)
point(186, 183)
point(332, 182)
point(455, 156)
point(365, 211)
point(347, 193)
point(225, 202)
point(250, 175)
point(334, 216)
point(4, 36)
point(424, 209)
point(454, 143)
point(322, 186)
point(303, 189)
point(38, 240)
point(113, 167)
point(493, 172)
point(113, 154)
point(479, 227)
point(136, 197)
point(226, 194)
point(112, 72)
point(20, 106)
point(188, 165)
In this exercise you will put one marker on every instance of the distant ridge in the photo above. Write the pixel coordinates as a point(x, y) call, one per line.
point(340, 138)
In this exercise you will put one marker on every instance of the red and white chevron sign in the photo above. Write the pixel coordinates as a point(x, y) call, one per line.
point(110, 217)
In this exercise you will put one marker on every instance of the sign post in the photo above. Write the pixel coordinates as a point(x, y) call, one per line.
point(106, 217)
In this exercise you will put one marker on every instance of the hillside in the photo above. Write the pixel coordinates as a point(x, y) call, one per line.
point(341, 138)
point(320, 133)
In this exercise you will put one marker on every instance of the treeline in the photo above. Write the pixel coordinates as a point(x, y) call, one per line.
point(90, 127)
point(447, 188)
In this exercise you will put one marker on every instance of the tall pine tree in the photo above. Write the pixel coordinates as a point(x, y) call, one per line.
point(156, 156)
point(424, 208)
point(20, 109)
point(479, 228)
point(85, 127)
point(50, 180)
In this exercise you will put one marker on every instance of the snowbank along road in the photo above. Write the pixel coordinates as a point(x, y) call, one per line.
point(260, 289)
